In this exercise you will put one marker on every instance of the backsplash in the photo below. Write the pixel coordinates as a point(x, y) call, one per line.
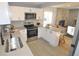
point(17, 24)
point(20, 24)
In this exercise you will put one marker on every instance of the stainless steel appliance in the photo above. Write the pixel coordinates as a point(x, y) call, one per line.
point(31, 16)
point(31, 30)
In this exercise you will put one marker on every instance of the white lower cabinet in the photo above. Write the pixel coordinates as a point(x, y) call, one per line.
point(48, 35)
point(23, 33)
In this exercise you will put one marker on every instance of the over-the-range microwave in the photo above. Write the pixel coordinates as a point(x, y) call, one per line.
point(30, 16)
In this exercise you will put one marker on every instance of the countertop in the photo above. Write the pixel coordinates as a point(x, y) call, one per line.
point(25, 50)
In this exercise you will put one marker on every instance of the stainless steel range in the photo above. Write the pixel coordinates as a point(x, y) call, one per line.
point(31, 30)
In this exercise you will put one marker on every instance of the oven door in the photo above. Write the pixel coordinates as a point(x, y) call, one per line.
point(32, 32)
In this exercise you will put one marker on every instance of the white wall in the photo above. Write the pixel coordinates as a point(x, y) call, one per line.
point(77, 50)
point(76, 36)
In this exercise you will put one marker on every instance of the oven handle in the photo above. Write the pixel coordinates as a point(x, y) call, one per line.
point(31, 29)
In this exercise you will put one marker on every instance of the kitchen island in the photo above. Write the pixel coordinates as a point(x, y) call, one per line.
point(49, 35)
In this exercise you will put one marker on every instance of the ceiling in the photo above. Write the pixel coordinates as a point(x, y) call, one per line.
point(68, 5)
point(34, 4)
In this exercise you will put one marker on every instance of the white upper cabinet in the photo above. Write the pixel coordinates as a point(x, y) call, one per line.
point(18, 13)
point(4, 14)
point(31, 10)
point(39, 13)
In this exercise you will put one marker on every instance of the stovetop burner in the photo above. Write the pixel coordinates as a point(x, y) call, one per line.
point(30, 26)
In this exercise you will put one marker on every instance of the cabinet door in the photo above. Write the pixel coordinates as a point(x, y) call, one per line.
point(40, 32)
point(46, 34)
point(52, 38)
point(55, 37)
point(4, 14)
point(24, 35)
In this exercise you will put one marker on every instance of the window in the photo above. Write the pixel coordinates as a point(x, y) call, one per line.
point(47, 18)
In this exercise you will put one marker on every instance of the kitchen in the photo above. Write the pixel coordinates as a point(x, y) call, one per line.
point(29, 28)
point(17, 16)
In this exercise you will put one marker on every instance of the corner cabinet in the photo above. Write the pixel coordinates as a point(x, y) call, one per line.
point(49, 35)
